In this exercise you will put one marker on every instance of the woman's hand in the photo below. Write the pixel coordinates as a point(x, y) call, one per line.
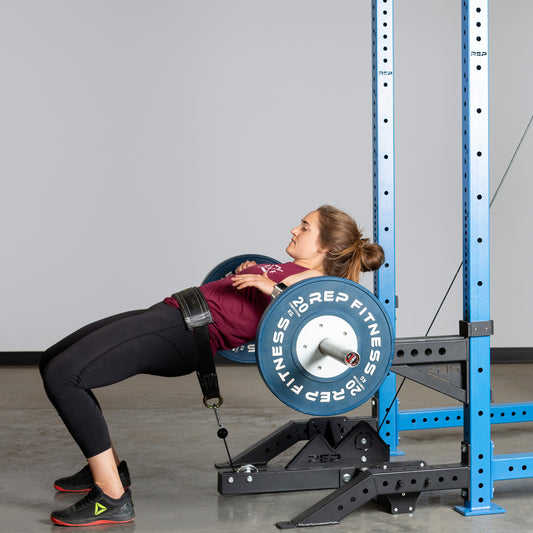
point(265, 284)
point(259, 281)
point(244, 266)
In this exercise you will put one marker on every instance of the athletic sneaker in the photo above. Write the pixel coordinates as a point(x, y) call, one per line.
point(96, 508)
point(82, 481)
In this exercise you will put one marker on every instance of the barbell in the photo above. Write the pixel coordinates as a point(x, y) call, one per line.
point(324, 346)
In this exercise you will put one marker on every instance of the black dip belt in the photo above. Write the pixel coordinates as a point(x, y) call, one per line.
point(197, 316)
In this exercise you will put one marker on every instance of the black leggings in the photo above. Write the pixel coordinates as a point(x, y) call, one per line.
point(152, 341)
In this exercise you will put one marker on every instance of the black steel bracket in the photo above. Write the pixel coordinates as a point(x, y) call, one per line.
point(439, 363)
point(395, 484)
point(336, 447)
point(476, 329)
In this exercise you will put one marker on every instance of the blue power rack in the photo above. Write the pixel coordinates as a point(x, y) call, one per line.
point(477, 414)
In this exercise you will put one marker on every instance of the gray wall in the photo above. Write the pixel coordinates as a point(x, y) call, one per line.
point(145, 141)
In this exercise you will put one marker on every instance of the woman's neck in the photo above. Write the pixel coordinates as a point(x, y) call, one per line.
point(310, 265)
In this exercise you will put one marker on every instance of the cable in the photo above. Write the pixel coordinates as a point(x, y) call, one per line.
point(222, 433)
point(391, 404)
point(490, 205)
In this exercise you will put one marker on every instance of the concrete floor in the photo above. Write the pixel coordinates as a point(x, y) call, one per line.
point(161, 428)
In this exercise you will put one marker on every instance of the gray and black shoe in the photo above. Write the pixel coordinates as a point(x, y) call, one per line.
point(96, 508)
point(82, 481)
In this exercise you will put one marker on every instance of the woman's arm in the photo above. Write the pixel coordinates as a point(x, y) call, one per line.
point(266, 285)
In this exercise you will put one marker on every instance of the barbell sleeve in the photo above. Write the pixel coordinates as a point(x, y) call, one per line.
point(332, 348)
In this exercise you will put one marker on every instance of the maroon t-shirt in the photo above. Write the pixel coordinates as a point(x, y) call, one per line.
point(236, 313)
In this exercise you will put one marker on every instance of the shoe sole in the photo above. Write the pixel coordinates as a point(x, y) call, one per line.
point(61, 489)
point(95, 523)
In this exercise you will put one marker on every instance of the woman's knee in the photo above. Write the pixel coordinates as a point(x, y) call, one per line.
point(57, 375)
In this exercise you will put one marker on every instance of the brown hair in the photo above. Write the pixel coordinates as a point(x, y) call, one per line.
point(349, 253)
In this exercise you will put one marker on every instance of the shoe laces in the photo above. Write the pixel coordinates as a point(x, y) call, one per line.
point(89, 499)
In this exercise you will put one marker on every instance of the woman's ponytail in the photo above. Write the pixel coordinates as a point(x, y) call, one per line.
point(349, 253)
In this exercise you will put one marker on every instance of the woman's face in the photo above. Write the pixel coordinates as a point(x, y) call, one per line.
point(305, 247)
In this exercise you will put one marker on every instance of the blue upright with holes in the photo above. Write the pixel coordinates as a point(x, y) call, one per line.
point(383, 180)
point(477, 446)
point(478, 413)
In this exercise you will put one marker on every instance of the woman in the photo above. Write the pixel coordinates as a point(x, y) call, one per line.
point(156, 341)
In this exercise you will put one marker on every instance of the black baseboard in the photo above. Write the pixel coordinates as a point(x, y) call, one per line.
point(497, 355)
point(32, 359)
point(19, 358)
point(511, 355)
